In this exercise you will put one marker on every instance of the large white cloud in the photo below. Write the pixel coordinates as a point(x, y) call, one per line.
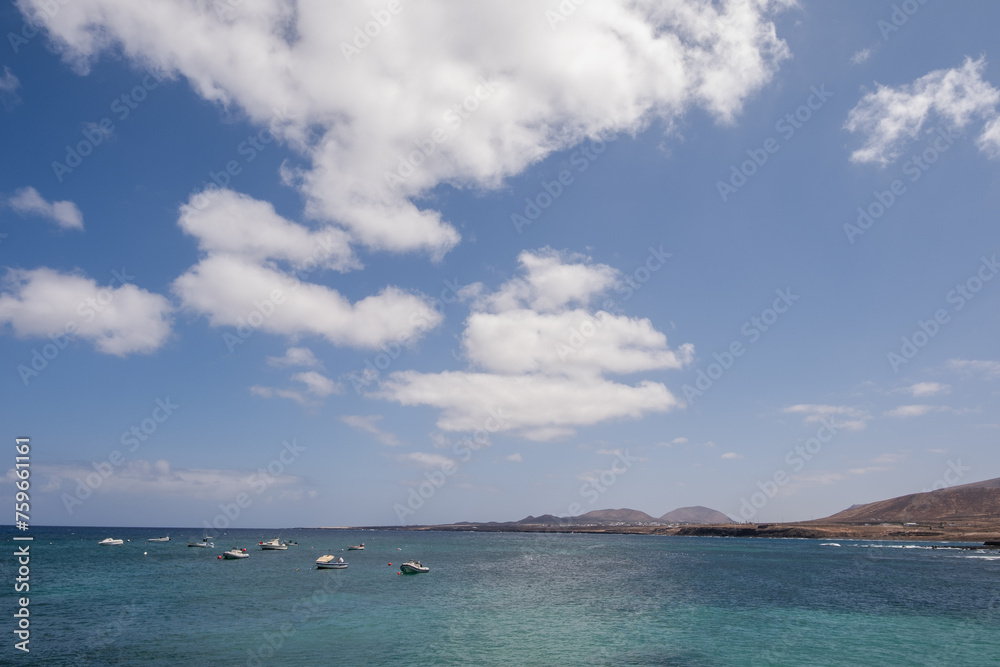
point(890, 118)
point(498, 87)
point(118, 319)
point(540, 354)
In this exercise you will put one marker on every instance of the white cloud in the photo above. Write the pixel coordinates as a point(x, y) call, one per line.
point(907, 411)
point(159, 479)
point(272, 392)
point(544, 379)
point(426, 460)
point(732, 455)
point(614, 67)
point(890, 118)
point(516, 457)
point(295, 356)
point(861, 56)
point(675, 441)
point(118, 320)
point(227, 289)
point(369, 424)
point(925, 389)
point(227, 222)
point(8, 88)
point(987, 369)
point(65, 214)
point(318, 384)
point(856, 417)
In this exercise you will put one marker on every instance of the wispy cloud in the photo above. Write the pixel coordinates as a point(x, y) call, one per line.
point(65, 214)
point(907, 411)
point(295, 356)
point(855, 417)
point(731, 456)
point(921, 389)
point(369, 424)
point(986, 369)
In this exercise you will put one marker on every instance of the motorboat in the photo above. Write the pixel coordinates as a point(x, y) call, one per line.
point(273, 545)
point(330, 562)
point(159, 539)
point(360, 547)
point(205, 544)
point(235, 553)
point(413, 567)
point(292, 543)
point(111, 542)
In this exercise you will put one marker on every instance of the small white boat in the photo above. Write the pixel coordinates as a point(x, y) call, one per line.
point(111, 542)
point(360, 547)
point(413, 567)
point(273, 545)
point(235, 553)
point(330, 562)
point(159, 539)
point(204, 544)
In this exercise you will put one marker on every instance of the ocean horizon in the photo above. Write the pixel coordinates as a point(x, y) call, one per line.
point(506, 598)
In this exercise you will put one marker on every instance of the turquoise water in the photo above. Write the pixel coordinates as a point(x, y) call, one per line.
point(503, 599)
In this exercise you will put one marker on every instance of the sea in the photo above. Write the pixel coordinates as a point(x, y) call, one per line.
point(499, 599)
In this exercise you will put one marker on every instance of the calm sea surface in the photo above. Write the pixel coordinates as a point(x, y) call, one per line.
point(502, 599)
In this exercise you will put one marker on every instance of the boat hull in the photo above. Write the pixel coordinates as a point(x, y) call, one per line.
point(331, 566)
point(407, 568)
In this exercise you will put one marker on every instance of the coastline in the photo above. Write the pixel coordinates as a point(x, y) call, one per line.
point(931, 532)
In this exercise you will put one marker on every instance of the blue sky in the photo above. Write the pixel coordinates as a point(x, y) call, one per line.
point(366, 320)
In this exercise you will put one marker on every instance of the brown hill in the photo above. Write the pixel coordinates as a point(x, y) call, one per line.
point(976, 501)
point(696, 514)
point(623, 515)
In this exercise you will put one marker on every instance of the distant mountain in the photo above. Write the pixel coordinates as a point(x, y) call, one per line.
point(979, 500)
point(623, 515)
point(696, 514)
point(545, 519)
